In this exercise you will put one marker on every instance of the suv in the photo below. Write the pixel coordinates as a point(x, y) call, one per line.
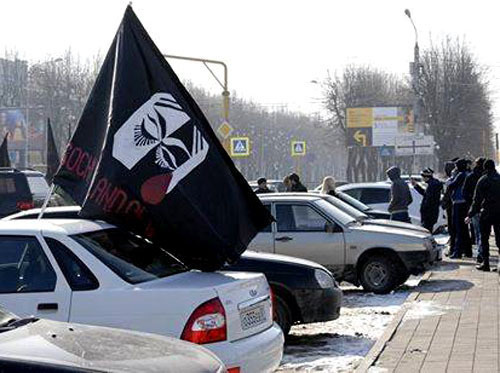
point(15, 194)
point(378, 257)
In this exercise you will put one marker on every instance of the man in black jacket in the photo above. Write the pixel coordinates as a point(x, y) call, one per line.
point(297, 186)
point(469, 188)
point(487, 203)
point(446, 203)
point(429, 208)
point(400, 196)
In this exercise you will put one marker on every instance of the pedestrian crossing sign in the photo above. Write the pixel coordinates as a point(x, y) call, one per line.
point(240, 147)
point(298, 148)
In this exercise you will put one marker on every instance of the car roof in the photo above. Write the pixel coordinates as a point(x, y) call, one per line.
point(61, 226)
point(377, 184)
point(37, 211)
point(289, 196)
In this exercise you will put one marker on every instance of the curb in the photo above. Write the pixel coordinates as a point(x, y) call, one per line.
point(378, 347)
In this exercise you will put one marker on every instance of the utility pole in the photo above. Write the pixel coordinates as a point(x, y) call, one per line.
point(415, 69)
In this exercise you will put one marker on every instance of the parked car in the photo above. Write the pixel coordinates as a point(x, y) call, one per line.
point(358, 205)
point(38, 345)
point(15, 194)
point(94, 273)
point(363, 217)
point(377, 257)
point(304, 292)
point(378, 196)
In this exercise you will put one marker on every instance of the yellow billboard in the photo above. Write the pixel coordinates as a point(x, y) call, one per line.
point(359, 117)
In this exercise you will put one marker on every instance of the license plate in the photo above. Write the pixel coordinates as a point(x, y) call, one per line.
point(252, 317)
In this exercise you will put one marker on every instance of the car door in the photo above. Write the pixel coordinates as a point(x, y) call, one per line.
point(303, 231)
point(264, 240)
point(30, 282)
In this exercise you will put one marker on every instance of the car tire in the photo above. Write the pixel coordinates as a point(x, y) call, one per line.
point(282, 314)
point(379, 274)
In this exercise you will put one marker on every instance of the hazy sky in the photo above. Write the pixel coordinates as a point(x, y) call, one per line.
point(273, 48)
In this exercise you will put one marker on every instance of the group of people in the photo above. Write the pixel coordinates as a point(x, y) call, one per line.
point(470, 196)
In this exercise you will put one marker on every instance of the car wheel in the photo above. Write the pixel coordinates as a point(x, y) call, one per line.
point(379, 275)
point(282, 314)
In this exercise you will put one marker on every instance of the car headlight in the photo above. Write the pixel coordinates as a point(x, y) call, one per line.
point(324, 279)
point(428, 243)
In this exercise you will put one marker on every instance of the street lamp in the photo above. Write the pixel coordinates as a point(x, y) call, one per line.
point(415, 76)
point(224, 85)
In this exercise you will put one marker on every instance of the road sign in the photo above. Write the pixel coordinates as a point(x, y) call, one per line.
point(298, 148)
point(415, 145)
point(386, 151)
point(225, 130)
point(379, 125)
point(359, 136)
point(240, 147)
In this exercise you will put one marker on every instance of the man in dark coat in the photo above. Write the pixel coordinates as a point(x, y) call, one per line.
point(446, 202)
point(429, 208)
point(400, 196)
point(487, 203)
point(297, 186)
point(462, 240)
point(469, 187)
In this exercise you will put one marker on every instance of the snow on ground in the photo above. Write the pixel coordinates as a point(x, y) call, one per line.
point(422, 309)
point(340, 345)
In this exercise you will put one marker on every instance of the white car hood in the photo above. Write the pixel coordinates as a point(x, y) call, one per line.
point(396, 224)
point(110, 350)
point(371, 228)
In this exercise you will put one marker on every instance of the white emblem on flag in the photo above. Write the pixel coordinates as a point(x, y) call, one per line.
point(150, 128)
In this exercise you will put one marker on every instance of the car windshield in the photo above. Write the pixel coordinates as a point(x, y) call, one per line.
point(132, 258)
point(38, 185)
point(337, 214)
point(348, 209)
point(353, 202)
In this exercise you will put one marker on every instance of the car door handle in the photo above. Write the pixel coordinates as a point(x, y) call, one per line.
point(284, 238)
point(47, 307)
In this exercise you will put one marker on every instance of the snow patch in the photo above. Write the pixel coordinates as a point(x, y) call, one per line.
point(421, 309)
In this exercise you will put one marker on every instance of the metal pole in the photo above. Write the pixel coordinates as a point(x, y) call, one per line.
point(46, 201)
point(26, 126)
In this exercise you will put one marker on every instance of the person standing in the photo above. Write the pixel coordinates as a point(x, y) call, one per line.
point(486, 203)
point(262, 186)
point(469, 187)
point(297, 186)
point(462, 239)
point(328, 186)
point(429, 208)
point(400, 196)
point(447, 204)
point(287, 184)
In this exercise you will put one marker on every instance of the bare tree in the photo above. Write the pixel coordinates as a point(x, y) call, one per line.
point(457, 101)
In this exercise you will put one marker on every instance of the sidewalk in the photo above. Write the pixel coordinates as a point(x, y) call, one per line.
point(449, 324)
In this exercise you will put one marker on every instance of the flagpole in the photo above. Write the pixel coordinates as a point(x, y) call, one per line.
point(46, 201)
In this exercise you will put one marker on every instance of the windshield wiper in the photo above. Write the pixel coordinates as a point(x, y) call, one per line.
point(17, 322)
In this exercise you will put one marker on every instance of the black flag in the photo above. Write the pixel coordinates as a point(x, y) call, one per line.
point(52, 156)
point(145, 157)
point(4, 153)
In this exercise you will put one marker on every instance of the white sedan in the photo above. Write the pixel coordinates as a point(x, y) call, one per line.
point(378, 195)
point(94, 273)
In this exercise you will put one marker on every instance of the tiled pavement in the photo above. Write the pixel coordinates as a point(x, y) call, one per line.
point(450, 325)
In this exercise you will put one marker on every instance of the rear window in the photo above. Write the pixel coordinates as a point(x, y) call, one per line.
point(132, 258)
point(38, 185)
point(375, 195)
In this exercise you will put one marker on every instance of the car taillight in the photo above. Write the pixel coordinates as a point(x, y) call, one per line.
point(272, 301)
point(25, 205)
point(234, 370)
point(207, 324)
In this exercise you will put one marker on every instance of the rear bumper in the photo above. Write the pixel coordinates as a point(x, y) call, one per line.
point(317, 305)
point(261, 352)
point(419, 261)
